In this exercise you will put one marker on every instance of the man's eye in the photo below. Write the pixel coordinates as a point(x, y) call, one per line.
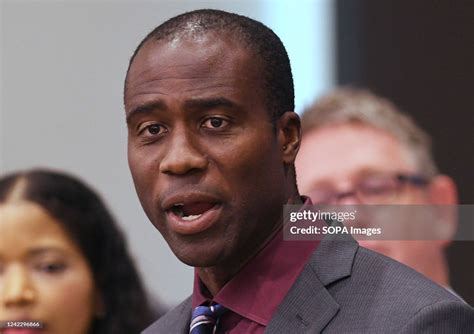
point(376, 187)
point(154, 129)
point(214, 123)
point(51, 268)
point(151, 129)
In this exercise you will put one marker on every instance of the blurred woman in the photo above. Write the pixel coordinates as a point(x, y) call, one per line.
point(63, 260)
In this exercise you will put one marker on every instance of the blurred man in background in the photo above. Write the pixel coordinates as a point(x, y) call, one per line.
point(358, 148)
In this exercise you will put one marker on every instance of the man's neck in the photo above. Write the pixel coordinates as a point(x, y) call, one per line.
point(214, 278)
point(437, 270)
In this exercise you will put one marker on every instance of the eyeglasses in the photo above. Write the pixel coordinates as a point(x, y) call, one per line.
point(372, 189)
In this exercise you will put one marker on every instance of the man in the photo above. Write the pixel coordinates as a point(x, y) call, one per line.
point(212, 143)
point(374, 154)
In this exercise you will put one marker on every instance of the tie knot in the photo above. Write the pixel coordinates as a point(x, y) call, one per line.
point(205, 318)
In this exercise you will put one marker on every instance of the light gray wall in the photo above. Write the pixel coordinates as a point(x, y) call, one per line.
point(62, 70)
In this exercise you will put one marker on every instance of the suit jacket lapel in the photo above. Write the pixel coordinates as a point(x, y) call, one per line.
point(184, 313)
point(175, 321)
point(308, 306)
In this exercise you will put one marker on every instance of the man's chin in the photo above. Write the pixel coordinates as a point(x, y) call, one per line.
point(198, 257)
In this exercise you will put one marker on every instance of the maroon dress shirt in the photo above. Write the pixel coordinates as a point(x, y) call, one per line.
point(254, 293)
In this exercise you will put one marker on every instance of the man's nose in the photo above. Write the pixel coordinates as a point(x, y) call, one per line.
point(347, 198)
point(16, 287)
point(183, 155)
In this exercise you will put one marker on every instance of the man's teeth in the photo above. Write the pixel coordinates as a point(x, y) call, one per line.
point(191, 217)
point(178, 210)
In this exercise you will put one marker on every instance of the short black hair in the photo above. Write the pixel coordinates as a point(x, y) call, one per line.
point(85, 218)
point(255, 36)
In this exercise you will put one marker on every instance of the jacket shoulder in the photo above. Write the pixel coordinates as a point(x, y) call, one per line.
point(397, 280)
point(384, 294)
point(442, 317)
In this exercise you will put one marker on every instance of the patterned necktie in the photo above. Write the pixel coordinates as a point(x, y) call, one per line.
point(205, 319)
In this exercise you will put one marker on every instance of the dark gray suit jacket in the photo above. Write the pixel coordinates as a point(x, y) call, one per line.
point(345, 288)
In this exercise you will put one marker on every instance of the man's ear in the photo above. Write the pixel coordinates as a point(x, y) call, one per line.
point(289, 136)
point(442, 191)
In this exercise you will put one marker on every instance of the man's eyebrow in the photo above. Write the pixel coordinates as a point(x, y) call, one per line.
point(44, 250)
point(199, 103)
point(145, 109)
point(208, 103)
point(367, 171)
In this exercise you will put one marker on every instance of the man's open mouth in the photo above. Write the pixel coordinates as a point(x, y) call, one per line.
point(191, 213)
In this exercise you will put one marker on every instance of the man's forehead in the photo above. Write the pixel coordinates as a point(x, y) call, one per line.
point(349, 152)
point(187, 69)
point(214, 51)
point(211, 40)
point(211, 58)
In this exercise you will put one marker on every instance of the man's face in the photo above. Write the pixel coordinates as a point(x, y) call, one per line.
point(337, 158)
point(205, 161)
